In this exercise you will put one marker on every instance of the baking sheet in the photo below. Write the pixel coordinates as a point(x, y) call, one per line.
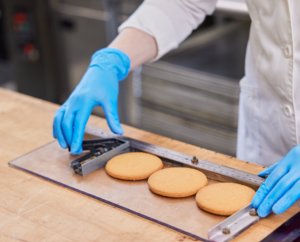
point(181, 214)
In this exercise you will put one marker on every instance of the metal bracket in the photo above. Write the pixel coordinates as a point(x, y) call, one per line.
point(234, 225)
point(101, 151)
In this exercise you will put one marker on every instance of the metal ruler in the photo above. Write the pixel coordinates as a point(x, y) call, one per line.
point(181, 158)
point(234, 225)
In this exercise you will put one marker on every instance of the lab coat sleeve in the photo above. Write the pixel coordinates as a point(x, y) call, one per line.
point(169, 21)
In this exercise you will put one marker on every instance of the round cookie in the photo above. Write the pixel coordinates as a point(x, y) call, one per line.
point(177, 182)
point(133, 166)
point(224, 198)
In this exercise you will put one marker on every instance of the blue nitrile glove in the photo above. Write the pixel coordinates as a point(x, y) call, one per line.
point(282, 187)
point(98, 87)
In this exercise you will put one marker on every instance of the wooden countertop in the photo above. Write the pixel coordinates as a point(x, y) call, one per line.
point(32, 209)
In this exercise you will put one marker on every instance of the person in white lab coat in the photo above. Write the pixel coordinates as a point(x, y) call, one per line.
point(269, 115)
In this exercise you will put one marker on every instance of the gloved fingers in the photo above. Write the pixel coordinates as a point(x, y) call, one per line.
point(267, 171)
point(111, 113)
point(68, 125)
point(81, 118)
point(57, 119)
point(57, 130)
point(53, 129)
point(268, 185)
point(276, 193)
point(288, 199)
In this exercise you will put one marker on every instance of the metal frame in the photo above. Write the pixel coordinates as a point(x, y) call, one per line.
point(233, 225)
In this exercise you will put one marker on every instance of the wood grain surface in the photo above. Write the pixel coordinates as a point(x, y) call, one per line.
point(32, 209)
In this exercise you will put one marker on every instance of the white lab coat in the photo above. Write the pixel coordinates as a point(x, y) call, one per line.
point(269, 113)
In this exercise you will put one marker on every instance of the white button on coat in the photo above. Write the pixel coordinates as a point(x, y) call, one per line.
point(267, 126)
point(288, 110)
point(287, 51)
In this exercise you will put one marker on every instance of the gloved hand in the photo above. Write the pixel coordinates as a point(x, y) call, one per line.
point(98, 86)
point(282, 187)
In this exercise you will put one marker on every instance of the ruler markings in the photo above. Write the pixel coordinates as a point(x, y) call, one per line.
point(182, 158)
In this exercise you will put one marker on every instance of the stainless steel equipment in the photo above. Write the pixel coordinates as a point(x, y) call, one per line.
point(51, 43)
point(30, 44)
point(192, 93)
point(236, 8)
point(5, 67)
point(79, 30)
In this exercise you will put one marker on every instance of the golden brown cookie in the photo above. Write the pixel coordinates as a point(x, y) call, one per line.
point(224, 198)
point(133, 166)
point(177, 182)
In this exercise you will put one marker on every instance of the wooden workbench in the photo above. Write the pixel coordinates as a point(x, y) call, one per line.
point(32, 209)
